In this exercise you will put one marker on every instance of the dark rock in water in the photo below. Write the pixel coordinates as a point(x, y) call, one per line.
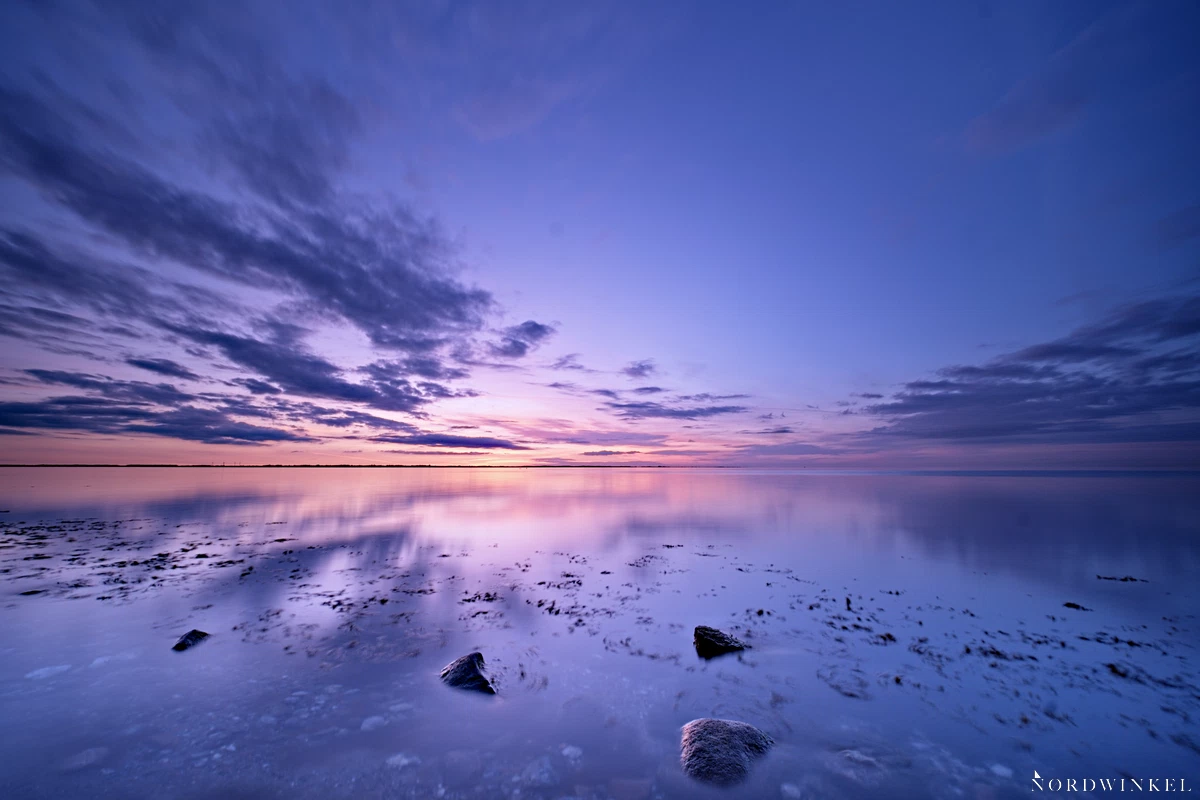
point(720, 751)
point(711, 642)
point(467, 673)
point(190, 639)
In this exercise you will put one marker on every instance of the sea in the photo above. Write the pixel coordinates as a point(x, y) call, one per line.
point(908, 635)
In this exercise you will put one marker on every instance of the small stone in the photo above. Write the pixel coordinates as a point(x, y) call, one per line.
point(720, 751)
point(711, 642)
point(373, 723)
point(467, 673)
point(189, 639)
point(85, 759)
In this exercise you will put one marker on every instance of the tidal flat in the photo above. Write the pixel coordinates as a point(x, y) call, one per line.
point(932, 635)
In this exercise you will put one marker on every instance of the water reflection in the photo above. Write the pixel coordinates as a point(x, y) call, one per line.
point(582, 587)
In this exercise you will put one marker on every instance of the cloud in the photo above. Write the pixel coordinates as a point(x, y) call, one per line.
point(428, 367)
point(529, 58)
point(381, 268)
point(640, 369)
point(649, 390)
point(211, 427)
point(198, 188)
point(1056, 96)
point(256, 386)
point(1133, 376)
point(288, 365)
point(770, 431)
point(706, 397)
point(100, 415)
point(129, 391)
point(448, 440)
point(647, 410)
point(163, 366)
point(518, 340)
point(765, 451)
point(440, 453)
point(569, 362)
point(610, 453)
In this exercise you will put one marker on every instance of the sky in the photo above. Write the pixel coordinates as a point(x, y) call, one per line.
point(958, 235)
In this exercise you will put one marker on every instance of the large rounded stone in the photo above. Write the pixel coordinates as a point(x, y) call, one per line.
point(720, 751)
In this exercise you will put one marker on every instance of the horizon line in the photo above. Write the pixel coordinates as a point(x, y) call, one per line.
point(848, 470)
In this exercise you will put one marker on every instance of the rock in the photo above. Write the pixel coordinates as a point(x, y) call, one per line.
point(372, 723)
point(467, 673)
point(47, 672)
point(190, 639)
point(720, 751)
point(711, 642)
point(85, 759)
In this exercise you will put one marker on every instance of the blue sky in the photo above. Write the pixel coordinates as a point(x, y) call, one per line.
point(914, 235)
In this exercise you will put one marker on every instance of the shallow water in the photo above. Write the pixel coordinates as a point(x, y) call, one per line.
point(334, 596)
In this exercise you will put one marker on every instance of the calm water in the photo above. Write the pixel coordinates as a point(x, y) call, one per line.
point(334, 596)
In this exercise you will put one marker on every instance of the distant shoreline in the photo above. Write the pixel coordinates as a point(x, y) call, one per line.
point(814, 470)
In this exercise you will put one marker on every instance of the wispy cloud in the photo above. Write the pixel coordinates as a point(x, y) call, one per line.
point(640, 369)
point(647, 410)
point(517, 341)
point(449, 440)
point(1133, 376)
